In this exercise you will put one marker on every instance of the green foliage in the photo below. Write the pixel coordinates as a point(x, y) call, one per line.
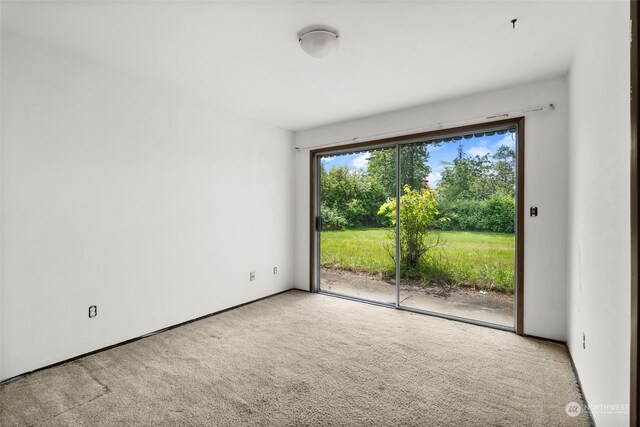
point(477, 193)
point(413, 167)
point(479, 177)
point(351, 196)
point(504, 167)
point(499, 214)
point(332, 219)
point(495, 214)
point(417, 216)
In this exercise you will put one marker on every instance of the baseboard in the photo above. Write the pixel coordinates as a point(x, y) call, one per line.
point(584, 398)
point(17, 377)
point(564, 343)
point(575, 372)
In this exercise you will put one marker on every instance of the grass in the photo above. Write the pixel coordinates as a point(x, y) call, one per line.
point(463, 258)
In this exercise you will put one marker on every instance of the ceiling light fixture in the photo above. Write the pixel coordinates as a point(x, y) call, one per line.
point(318, 41)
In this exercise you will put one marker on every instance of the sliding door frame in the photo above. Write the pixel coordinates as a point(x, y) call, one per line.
point(314, 244)
point(634, 392)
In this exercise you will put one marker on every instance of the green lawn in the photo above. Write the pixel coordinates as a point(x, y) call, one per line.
point(478, 259)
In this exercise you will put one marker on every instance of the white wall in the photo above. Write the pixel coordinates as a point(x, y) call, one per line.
point(598, 242)
point(123, 194)
point(545, 186)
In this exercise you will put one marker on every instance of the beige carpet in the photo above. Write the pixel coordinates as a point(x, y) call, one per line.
point(307, 359)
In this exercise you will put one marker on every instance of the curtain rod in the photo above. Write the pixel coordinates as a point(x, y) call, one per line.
point(435, 126)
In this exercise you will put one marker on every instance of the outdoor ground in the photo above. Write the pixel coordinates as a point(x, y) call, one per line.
point(469, 274)
point(464, 258)
point(486, 306)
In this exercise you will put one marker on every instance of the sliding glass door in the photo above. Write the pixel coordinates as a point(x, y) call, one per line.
point(457, 226)
point(356, 243)
point(447, 248)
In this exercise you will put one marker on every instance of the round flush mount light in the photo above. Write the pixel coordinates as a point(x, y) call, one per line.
point(318, 41)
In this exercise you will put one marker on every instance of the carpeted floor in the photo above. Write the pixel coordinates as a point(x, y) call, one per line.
point(307, 359)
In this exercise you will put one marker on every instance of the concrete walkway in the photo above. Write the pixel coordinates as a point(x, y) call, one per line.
point(489, 307)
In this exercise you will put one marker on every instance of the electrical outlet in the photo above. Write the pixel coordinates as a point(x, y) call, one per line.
point(275, 270)
point(93, 311)
point(252, 276)
point(584, 342)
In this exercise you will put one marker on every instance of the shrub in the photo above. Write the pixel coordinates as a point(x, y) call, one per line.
point(499, 214)
point(417, 216)
point(495, 214)
point(331, 219)
point(352, 196)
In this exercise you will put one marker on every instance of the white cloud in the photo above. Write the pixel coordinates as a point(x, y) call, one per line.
point(361, 161)
point(434, 178)
point(508, 140)
point(483, 147)
point(327, 159)
point(479, 150)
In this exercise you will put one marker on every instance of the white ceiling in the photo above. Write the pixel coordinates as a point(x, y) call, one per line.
point(244, 56)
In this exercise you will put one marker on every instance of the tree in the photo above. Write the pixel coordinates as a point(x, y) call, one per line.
point(478, 177)
point(460, 178)
point(505, 168)
point(413, 166)
point(477, 193)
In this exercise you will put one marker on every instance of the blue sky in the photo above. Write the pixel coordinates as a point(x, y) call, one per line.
point(445, 152)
